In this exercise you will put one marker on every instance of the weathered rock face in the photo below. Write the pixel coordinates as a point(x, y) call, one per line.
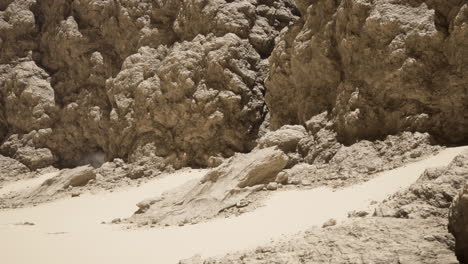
point(458, 224)
point(196, 100)
point(183, 80)
point(378, 67)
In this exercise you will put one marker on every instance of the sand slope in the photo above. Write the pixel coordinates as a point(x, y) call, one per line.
point(85, 240)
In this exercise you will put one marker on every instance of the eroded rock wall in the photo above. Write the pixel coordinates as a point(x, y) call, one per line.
point(184, 82)
point(178, 80)
point(378, 67)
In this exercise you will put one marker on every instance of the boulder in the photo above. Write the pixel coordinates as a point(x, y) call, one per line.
point(35, 158)
point(223, 187)
point(79, 176)
point(286, 138)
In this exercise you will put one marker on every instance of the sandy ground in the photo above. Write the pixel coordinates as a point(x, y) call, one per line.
point(69, 230)
point(25, 185)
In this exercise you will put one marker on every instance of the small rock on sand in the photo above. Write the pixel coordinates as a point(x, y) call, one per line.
point(272, 186)
point(242, 203)
point(329, 222)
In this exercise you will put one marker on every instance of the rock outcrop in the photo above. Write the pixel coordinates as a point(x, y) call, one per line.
point(378, 67)
point(64, 179)
point(223, 187)
point(458, 224)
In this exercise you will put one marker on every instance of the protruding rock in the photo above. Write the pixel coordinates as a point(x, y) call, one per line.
point(286, 138)
point(78, 176)
point(458, 224)
point(223, 187)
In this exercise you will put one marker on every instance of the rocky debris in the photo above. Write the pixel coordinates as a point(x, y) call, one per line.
point(23, 148)
point(136, 87)
point(116, 221)
point(282, 178)
point(11, 169)
point(223, 187)
point(35, 158)
point(431, 195)
point(364, 63)
point(272, 186)
point(320, 147)
point(367, 240)
point(356, 162)
point(358, 214)
point(414, 229)
point(458, 223)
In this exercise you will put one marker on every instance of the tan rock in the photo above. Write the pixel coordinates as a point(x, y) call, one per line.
point(223, 187)
point(458, 224)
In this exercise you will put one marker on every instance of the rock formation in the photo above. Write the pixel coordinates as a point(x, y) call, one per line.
point(458, 224)
point(410, 227)
point(180, 80)
point(378, 67)
point(222, 188)
point(270, 94)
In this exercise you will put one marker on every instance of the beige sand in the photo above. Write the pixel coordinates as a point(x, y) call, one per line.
point(25, 185)
point(87, 241)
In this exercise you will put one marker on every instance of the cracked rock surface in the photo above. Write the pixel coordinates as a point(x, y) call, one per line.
point(182, 80)
point(377, 67)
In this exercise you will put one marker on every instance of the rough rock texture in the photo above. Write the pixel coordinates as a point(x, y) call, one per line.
point(182, 80)
point(378, 67)
point(373, 240)
point(222, 188)
point(286, 138)
point(67, 178)
point(431, 195)
point(458, 223)
point(409, 227)
point(327, 162)
point(11, 169)
point(241, 183)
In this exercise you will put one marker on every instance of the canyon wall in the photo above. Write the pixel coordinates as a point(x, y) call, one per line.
point(188, 82)
point(170, 81)
point(376, 67)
